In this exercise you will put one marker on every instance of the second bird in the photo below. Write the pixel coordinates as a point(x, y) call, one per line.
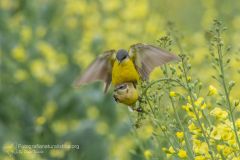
point(123, 67)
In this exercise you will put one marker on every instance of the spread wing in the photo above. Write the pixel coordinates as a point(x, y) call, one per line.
point(100, 69)
point(147, 57)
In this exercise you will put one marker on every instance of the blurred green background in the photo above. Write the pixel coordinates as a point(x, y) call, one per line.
point(46, 44)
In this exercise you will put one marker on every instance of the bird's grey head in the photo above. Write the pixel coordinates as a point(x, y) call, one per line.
point(121, 55)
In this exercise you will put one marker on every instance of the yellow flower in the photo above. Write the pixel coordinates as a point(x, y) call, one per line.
point(147, 154)
point(60, 127)
point(182, 153)
point(227, 151)
point(6, 5)
point(102, 128)
point(194, 129)
point(212, 90)
point(40, 120)
point(200, 158)
point(172, 94)
point(20, 75)
point(219, 113)
point(50, 109)
point(41, 31)
point(220, 147)
point(39, 71)
point(200, 103)
point(238, 123)
point(222, 131)
point(189, 109)
point(71, 22)
point(92, 112)
point(8, 148)
point(57, 153)
point(180, 135)
point(145, 131)
point(19, 54)
point(26, 34)
point(200, 147)
point(171, 150)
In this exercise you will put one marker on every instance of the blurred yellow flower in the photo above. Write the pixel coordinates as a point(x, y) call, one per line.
point(180, 135)
point(212, 90)
point(83, 58)
point(111, 23)
point(8, 148)
point(171, 150)
point(102, 128)
point(39, 71)
point(74, 7)
point(189, 78)
point(218, 113)
point(40, 120)
point(57, 153)
point(49, 109)
point(222, 132)
point(200, 158)
point(19, 54)
point(26, 34)
point(71, 22)
point(200, 103)
point(6, 5)
point(189, 109)
point(172, 94)
point(121, 148)
point(210, 12)
point(135, 10)
point(182, 153)
point(110, 6)
point(92, 112)
point(227, 151)
point(200, 147)
point(236, 22)
point(147, 154)
point(193, 128)
point(21, 75)
point(60, 127)
point(238, 123)
point(146, 131)
point(156, 74)
point(41, 31)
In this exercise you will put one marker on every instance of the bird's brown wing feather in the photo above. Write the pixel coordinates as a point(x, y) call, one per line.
point(99, 70)
point(147, 57)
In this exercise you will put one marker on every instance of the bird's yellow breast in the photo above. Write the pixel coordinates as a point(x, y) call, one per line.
point(124, 72)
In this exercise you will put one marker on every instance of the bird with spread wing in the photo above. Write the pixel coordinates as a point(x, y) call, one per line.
point(124, 69)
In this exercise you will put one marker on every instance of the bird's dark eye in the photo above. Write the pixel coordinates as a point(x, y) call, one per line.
point(123, 87)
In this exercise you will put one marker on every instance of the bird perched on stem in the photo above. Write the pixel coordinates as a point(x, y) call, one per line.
point(124, 69)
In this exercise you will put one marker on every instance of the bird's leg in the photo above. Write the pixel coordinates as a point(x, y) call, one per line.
point(137, 108)
point(140, 99)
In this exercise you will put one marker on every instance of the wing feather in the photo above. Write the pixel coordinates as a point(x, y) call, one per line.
point(147, 57)
point(99, 70)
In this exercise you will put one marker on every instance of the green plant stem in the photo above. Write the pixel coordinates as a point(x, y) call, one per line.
point(194, 107)
point(190, 151)
point(159, 125)
point(190, 94)
point(182, 128)
point(161, 80)
point(220, 56)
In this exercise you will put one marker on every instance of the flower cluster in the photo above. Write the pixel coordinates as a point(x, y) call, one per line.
point(205, 124)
